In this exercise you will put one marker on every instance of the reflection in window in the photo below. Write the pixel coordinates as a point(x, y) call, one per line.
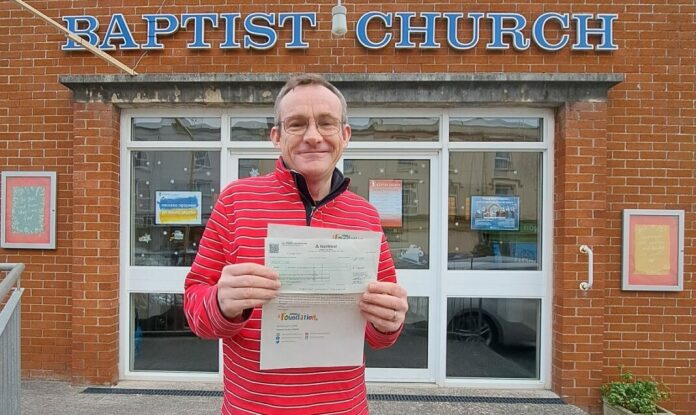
point(255, 167)
point(201, 160)
point(154, 243)
point(495, 129)
point(140, 160)
point(411, 349)
point(160, 337)
point(400, 190)
point(176, 129)
point(494, 214)
point(250, 128)
point(503, 161)
point(493, 337)
point(392, 129)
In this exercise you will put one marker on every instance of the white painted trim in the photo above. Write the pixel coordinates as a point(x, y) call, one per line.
point(124, 352)
point(172, 376)
point(516, 147)
point(528, 284)
point(546, 323)
point(174, 145)
point(517, 284)
point(494, 383)
point(399, 375)
point(395, 112)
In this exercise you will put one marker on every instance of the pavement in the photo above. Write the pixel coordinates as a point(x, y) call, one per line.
point(144, 398)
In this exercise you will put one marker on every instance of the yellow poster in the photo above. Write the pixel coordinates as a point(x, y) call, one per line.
point(651, 255)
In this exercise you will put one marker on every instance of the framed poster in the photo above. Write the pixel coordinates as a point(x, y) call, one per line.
point(653, 250)
point(178, 208)
point(495, 213)
point(386, 196)
point(28, 210)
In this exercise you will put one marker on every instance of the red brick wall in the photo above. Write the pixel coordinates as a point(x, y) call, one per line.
point(95, 242)
point(580, 203)
point(645, 159)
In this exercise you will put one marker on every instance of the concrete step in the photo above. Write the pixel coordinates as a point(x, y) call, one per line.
point(143, 398)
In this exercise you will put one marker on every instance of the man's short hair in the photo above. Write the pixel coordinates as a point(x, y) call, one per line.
point(309, 79)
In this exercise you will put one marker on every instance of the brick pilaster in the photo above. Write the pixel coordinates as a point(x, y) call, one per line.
point(95, 280)
point(580, 202)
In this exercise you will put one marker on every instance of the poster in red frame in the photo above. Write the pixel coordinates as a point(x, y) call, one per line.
point(653, 250)
point(28, 210)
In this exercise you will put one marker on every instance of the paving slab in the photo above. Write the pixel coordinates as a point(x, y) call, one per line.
point(61, 398)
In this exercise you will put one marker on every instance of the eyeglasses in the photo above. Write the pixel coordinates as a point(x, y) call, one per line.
point(298, 125)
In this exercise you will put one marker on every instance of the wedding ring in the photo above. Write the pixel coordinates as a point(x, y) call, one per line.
point(394, 318)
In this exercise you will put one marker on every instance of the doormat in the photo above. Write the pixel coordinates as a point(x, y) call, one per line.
point(370, 396)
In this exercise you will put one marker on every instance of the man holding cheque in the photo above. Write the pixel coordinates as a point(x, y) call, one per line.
point(228, 283)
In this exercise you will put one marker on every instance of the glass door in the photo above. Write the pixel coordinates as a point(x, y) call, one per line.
point(496, 277)
point(401, 188)
point(171, 170)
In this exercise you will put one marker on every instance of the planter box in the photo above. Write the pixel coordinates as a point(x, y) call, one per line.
point(617, 410)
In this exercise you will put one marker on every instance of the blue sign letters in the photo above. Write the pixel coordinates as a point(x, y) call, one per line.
point(401, 30)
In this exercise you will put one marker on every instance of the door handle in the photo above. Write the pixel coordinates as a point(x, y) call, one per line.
point(586, 285)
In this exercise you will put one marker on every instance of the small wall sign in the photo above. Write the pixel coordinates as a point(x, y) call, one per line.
point(28, 210)
point(653, 250)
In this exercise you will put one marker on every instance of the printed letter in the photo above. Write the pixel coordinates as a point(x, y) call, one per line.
point(199, 28)
point(497, 31)
point(453, 29)
point(605, 31)
point(297, 18)
point(539, 26)
point(263, 31)
point(407, 29)
point(87, 33)
point(154, 30)
point(361, 29)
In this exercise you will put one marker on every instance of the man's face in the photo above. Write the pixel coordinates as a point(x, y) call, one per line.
point(313, 154)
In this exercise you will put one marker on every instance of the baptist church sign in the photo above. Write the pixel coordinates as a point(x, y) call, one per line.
point(549, 31)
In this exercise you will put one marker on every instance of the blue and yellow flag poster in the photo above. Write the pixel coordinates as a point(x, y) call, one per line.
point(178, 208)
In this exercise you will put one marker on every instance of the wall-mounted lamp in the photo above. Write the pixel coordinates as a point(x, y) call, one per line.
point(339, 26)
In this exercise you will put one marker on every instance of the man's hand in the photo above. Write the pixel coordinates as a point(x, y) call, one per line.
point(246, 285)
point(384, 305)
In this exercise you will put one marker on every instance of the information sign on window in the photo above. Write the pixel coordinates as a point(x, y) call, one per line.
point(386, 196)
point(178, 208)
point(495, 213)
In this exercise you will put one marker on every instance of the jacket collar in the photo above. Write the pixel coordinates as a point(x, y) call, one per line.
point(339, 183)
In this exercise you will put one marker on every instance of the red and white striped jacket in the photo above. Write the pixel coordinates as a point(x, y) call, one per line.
point(234, 234)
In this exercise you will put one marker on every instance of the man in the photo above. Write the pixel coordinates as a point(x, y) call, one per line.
point(228, 283)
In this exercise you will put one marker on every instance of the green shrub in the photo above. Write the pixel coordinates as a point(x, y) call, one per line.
point(639, 396)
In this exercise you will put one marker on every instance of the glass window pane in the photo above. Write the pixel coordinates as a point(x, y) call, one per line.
point(392, 129)
point(495, 129)
point(160, 338)
point(176, 129)
point(411, 349)
point(494, 211)
point(493, 337)
point(255, 167)
point(250, 128)
point(171, 240)
point(400, 190)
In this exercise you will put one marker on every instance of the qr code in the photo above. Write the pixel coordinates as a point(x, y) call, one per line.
point(273, 248)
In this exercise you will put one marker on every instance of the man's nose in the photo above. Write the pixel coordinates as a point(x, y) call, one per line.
point(312, 134)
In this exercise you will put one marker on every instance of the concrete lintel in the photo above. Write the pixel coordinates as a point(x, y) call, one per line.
point(441, 89)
